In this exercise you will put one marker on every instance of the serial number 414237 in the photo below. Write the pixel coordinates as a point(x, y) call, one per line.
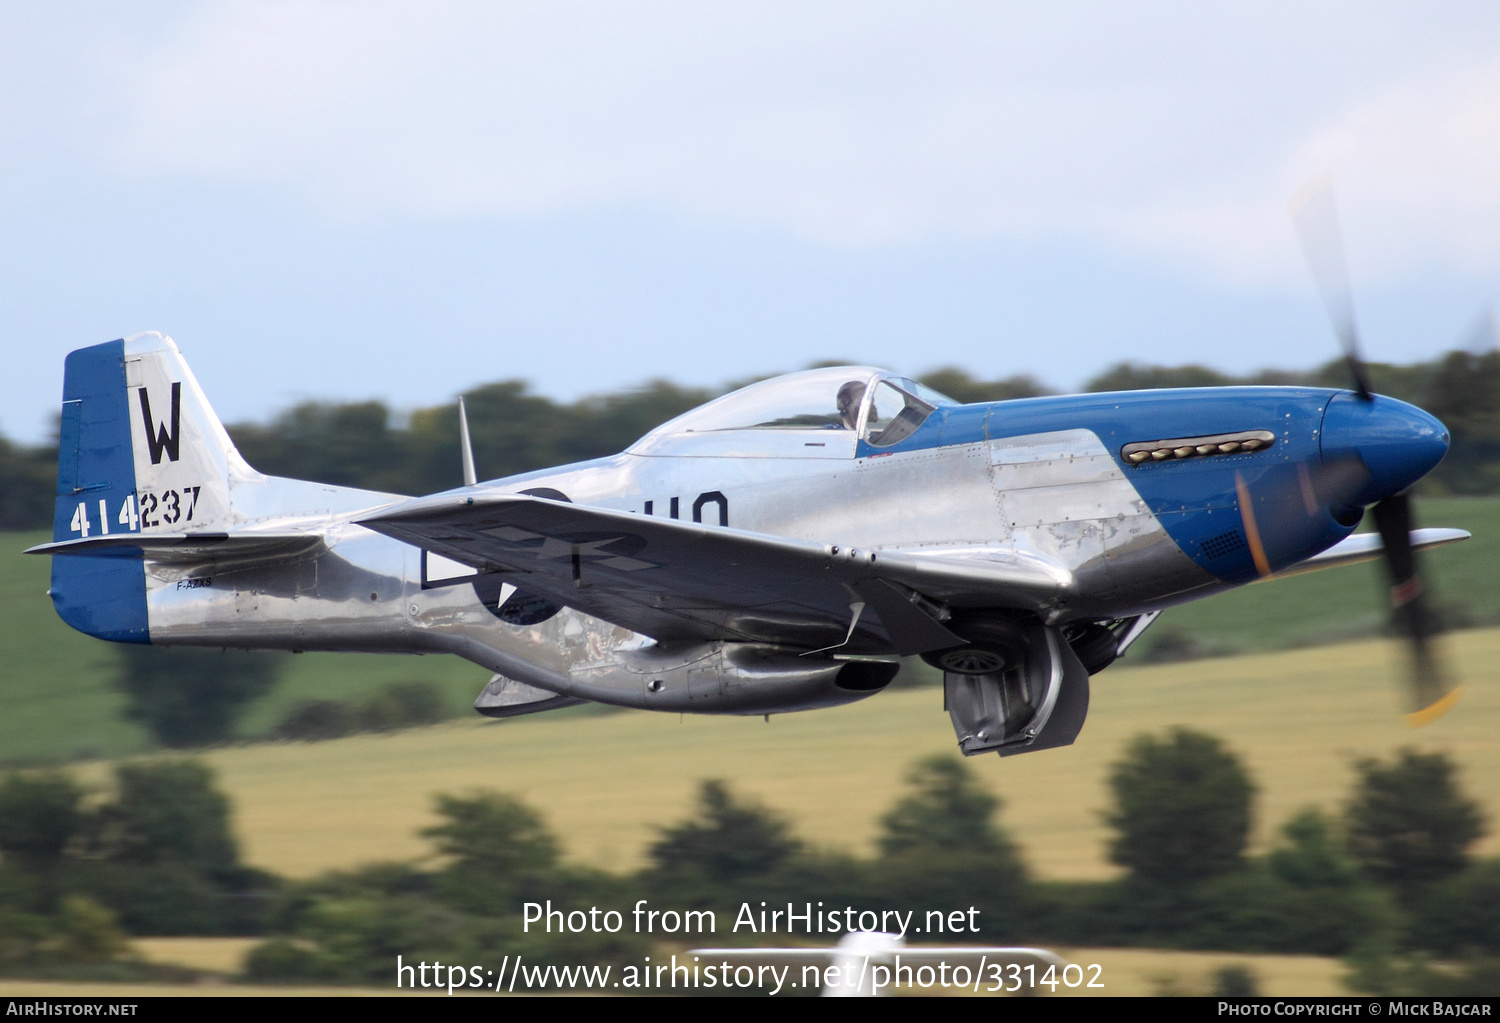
point(166, 509)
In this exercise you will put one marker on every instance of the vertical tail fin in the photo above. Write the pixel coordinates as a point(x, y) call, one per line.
point(139, 451)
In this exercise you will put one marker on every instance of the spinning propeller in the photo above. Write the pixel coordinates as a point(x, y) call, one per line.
point(1342, 479)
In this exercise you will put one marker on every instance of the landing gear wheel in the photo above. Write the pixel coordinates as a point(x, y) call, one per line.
point(986, 685)
point(995, 644)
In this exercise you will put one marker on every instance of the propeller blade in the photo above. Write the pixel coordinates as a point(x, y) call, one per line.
point(1317, 221)
point(1252, 531)
point(1340, 482)
point(1432, 692)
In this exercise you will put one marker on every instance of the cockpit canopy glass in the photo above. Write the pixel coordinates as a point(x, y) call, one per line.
point(923, 392)
point(818, 399)
point(894, 414)
point(828, 399)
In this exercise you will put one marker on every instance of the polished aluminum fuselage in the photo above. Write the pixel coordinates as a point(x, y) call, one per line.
point(1059, 496)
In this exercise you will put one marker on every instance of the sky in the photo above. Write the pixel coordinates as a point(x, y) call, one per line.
point(401, 201)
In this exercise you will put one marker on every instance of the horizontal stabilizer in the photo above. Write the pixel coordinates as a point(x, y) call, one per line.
point(189, 548)
point(1367, 547)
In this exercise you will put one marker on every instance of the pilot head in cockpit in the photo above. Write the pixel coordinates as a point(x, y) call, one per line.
point(849, 398)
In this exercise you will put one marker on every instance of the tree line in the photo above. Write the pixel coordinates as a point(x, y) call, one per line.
point(78, 877)
point(365, 444)
point(1389, 882)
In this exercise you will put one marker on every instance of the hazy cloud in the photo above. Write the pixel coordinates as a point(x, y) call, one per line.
point(1174, 130)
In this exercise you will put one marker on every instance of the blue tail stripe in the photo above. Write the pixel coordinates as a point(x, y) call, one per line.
point(101, 596)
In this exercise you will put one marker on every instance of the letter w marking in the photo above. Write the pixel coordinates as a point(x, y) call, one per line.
point(158, 438)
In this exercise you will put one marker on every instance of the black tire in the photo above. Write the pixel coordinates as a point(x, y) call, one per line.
point(995, 644)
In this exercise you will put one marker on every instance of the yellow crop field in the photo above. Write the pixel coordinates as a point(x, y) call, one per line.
point(606, 782)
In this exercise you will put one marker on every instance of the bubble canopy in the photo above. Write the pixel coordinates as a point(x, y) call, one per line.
point(824, 404)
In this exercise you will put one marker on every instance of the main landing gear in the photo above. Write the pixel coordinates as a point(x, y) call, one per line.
point(1018, 685)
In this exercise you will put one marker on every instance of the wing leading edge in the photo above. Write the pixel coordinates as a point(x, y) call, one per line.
point(675, 580)
point(1368, 547)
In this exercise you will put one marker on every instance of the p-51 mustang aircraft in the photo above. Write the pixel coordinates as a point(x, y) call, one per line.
point(776, 549)
point(773, 550)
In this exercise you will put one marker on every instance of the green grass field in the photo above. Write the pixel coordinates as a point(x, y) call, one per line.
point(57, 683)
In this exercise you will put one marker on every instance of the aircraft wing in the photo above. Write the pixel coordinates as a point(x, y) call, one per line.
point(1367, 547)
point(683, 580)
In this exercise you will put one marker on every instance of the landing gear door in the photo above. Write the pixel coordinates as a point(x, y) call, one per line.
point(1040, 703)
